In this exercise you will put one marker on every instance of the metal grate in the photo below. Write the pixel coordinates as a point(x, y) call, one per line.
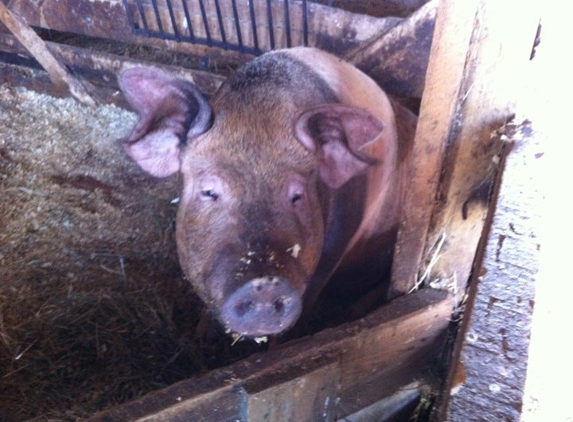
point(247, 26)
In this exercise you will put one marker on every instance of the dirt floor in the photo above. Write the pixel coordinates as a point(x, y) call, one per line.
point(94, 310)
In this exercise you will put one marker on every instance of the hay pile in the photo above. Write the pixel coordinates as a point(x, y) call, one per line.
point(93, 307)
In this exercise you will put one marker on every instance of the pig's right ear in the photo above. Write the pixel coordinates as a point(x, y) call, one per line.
point(170, 112)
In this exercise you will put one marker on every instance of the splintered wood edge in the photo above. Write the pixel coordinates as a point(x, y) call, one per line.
point(467, 96)
point(37, 47)
point(102, 69)
point(444, 80)
point(337, 367)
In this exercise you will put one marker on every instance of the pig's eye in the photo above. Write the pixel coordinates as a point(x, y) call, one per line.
point(296, 198)
point(209, 194)
point(296, 192)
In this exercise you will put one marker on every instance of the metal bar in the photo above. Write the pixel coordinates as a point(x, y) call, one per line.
point(179, 33)
point(270, 23)
point(143, 18)
point(220, 20)
point(205, 23)
point(141, 13)
point(188, 18)
point(173, 21)
point(157, 16)
point(305, 23)
point(238, 24)
point(254, 25)
point(128, 13)
point(287, 23)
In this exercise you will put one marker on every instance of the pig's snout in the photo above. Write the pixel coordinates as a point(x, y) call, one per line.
point(263, 306)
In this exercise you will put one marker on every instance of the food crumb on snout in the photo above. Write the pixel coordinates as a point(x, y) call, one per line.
point(294, 250)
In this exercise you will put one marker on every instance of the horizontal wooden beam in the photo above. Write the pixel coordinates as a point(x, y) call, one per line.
point(37, 48)
point(332, 372)
point(100, 70)
point(394, 51)
point(398, 58)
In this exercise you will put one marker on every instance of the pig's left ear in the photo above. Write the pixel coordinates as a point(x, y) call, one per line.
point(340, 134)
point(170, 110)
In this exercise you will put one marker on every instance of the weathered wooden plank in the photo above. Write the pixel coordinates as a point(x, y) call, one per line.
point(36, 46)
point(310, 398)
point(402, 8)
point(100, 70)
point(381, 360)
point(444, 81)
point(397, 62)
point(209, 401)
point(225, 22)
point(353, 366)
point(398, 407)
point(492, 346)
point(341, 32)
point(108, 19)
point(485, 103)
point(398, 59)
point(467, 96)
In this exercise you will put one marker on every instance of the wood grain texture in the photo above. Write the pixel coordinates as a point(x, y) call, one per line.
point(468, 95)
point(397, 61)
point(491, 355)
point(326, 376)
point(37, 47)
point(98, 69)
point(444, 81)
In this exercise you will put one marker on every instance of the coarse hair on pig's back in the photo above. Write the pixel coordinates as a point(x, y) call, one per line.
point(281, 71)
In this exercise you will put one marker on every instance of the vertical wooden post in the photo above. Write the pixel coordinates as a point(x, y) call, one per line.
point(469, 92)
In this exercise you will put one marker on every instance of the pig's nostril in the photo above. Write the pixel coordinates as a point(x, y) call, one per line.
point(244, 307)
point(279, 305)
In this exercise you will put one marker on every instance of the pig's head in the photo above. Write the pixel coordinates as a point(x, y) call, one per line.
point(256, 179)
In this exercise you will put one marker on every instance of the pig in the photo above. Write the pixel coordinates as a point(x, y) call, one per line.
point(292, 174)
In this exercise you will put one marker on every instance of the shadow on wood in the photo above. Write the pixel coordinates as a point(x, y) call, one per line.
point(329, 375)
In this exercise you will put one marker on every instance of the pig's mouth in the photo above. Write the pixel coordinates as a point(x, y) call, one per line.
point(263, 306)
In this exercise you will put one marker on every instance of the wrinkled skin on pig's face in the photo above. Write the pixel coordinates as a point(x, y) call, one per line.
point(249, 228)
